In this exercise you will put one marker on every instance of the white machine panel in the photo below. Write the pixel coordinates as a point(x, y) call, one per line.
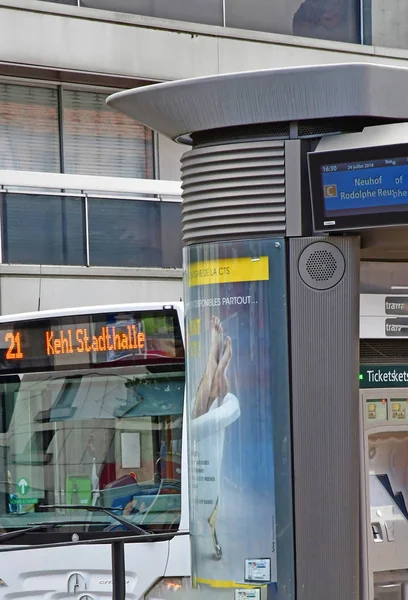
point(385, 492)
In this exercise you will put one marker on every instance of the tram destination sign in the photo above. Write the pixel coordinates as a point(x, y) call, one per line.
point(359, 188)
point(83, 341)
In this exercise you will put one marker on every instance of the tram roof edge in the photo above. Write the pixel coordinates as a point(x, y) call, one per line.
point(179, 108)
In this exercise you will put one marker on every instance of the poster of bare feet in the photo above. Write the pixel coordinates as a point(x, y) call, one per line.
point(236, 377)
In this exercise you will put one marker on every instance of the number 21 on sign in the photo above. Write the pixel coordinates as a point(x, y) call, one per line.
point(14, 349)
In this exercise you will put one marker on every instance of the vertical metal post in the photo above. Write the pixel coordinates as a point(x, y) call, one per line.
point(156, 161)
point(118, 571)
point(3, 223)
point(61, 128)
point(86, 225)
point(62, 170)
point(326, 314)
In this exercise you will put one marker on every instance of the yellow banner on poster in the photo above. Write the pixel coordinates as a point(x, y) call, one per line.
point(221, 583)
point(229, 270)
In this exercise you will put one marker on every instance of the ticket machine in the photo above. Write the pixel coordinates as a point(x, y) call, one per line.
point(385, 492)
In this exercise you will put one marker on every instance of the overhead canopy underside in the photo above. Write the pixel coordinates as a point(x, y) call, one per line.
point(180, 108)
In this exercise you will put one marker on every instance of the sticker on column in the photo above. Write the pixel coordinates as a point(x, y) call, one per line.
point(258, 569)
point(254, 594)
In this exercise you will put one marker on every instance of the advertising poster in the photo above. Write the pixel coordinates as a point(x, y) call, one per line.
point(235, 314)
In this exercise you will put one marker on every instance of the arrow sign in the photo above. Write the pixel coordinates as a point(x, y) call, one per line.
point(23, 486)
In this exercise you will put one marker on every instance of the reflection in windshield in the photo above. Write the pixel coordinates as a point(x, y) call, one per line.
point(110, 439)
point(388, 454)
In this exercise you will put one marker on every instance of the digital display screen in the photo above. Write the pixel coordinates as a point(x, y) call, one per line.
point(359, 188)
point(86, 341)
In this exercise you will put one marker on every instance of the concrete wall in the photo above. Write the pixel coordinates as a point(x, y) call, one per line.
point(61, 37)
point(22, 289)
point(169, 155)
point(390, 23)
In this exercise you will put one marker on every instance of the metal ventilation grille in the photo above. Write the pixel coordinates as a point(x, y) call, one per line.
point(314, 129)
point(241, 132)
point(320, 127)
point(233, 190)
point(383, 352)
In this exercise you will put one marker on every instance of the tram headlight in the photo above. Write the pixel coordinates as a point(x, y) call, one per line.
point(165, 587)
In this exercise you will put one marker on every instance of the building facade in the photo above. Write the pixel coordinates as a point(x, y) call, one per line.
point(77, 228)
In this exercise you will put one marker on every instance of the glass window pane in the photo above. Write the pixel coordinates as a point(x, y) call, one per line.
point(43, 230)
point(29, 137)
point(171, 234)
point(337, 20)
point(194, 11)
point(101, 141)
point(104, 448)
point(124, 233)
point(368, 25)
point(70, 2)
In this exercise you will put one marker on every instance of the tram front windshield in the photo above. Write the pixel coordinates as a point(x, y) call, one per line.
point(80, 447)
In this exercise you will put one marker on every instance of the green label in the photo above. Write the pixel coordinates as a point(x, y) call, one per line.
point(383, 376)
point(23, 486)
point(23, 500)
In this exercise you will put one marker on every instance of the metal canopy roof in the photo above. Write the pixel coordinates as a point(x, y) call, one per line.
point(179, 108)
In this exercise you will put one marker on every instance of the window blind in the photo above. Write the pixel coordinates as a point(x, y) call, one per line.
point(100, 141)
point(29, 137)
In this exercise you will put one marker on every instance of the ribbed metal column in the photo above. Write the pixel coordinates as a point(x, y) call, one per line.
point(324, 323)
point(236, 186)
point(233, 191)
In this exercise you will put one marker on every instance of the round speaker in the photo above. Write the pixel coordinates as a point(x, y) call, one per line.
point(321, 265)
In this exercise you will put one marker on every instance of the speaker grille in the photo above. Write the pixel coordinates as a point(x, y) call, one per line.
point(321, 265)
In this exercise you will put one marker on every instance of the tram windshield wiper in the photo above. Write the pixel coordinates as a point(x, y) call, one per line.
point(9, 535)
point(108, 511)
